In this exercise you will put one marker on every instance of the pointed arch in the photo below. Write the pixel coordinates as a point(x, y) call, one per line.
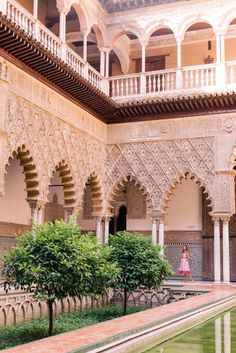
point(29, 169)
point(120, 186)
point(186, 175)
point(96, 192)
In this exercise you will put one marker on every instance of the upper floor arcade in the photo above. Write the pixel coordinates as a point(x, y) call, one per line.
point(174, 49)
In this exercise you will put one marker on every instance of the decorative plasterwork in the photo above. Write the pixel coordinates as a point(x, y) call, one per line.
point(158, 165)
point(51, 142)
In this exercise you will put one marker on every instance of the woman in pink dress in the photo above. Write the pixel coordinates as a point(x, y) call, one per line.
point(184, 268)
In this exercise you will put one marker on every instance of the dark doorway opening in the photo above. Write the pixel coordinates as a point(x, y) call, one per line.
point(121, 220)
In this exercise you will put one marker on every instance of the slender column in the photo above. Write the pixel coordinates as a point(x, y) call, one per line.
point(68, 213)
point(102, 62)
point(227, 333)
point(41, 213)
point(218, 48)
point(179, 53)
point(222, 42)
point(107, 63)
point(3, 6)
point(161, 232)
point(98, 229)
point(217, 272)
point(226, 259)
point(62, 29)
point(154, 230)
point(85, 48)
point(218, 335)
point(106, 230)
point(143, 46)
point(35, 9)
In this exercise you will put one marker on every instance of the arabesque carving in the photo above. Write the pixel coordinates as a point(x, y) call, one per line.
point(52, 142)
point(157, 164)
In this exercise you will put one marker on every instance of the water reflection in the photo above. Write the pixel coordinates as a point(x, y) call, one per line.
point(215, 336)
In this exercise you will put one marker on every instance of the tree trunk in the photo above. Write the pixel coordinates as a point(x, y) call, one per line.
point(50, 316)
point(125, 303)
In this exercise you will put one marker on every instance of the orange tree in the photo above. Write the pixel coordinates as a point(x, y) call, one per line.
point(140, 261)
point(55, 260)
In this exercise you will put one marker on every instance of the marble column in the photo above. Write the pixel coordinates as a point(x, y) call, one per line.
point(98, 220)
point(226, 257)
point(3, 6)
point(62, 28)
point(218, 53)
point(222, 49)
point(102, 62)
point(107, 52)
point(154, 229)
point(143, 47)
point(179, 53)
point(217, 267)
point(35, 9)
point(161, 232)
point(85, 46)
point(106, 228)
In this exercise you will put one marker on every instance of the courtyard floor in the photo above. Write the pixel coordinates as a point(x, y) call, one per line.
point(115, 329)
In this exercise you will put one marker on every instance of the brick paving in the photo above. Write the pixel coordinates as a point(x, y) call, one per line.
point(70, 341)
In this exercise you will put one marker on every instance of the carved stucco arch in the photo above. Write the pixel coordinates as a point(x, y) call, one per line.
point(120, 184)
point(191, 20)
point(27, 162)
point(50, 141)
point(97, 194)
point(187, 174)
point(67, 181)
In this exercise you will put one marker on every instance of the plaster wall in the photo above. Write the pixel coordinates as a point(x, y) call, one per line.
point(185, 207)
point(13, 205)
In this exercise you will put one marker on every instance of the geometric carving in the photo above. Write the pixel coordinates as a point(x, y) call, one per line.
point(158, 165)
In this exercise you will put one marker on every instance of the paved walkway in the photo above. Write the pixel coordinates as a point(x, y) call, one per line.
point(70, 341)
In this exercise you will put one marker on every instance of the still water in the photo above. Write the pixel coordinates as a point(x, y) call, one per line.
point(217, 335)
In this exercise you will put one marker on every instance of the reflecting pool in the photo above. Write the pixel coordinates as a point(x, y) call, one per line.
point(217, 335)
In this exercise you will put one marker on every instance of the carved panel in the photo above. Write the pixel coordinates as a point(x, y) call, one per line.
point(50, 141)
point(157, 164)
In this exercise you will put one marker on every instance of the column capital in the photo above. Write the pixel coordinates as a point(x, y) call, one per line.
point(226, 217)
point(63, 7)
point(37, 203)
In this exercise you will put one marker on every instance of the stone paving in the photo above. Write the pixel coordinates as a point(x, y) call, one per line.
point(70, 341)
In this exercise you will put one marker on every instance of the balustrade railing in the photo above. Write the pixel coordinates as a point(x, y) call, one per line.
point(17, 14)
point(230, 70)
point(49, 40)
point(160, 81)
point(74, 61)
point(198, 77)
point(122, 86)
point(20, 16)
point(207, 77)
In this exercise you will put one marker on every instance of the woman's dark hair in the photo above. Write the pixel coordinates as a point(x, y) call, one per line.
point(186, 248)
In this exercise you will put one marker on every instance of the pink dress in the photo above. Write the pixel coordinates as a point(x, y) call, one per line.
point(184, 265)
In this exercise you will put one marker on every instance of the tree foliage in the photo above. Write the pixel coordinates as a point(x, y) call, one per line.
point(55, 260)
point(140, 261)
